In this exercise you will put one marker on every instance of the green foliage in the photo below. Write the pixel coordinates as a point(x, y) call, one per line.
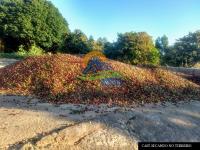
point(134, 48)
point(100, 75)
point(170, 58)
point(95, 45)
point(24, 22)
point(154, 57)
point(10, 55)
point(185, 52)
point(23, 53)
point(33, 51)
point(110, 51)
point(76, 43)
point(162, 44)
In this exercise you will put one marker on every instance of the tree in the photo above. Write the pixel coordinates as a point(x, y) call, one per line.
point(76, 43)
point(185, 52)
point(136, 48)
point(171, 57)
point(162, 44)
point(102, 43)
point(110, 50)
point(25, 22)
point(95, 45)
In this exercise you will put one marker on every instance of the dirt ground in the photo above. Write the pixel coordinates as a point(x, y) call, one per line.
point(28, 123)
point(6, 61)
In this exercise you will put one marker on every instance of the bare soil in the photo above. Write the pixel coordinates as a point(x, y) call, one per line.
point(26, 122)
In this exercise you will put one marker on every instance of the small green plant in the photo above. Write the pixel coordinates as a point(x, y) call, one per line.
point(33, 51)
point(21, 51)
point(101, 75)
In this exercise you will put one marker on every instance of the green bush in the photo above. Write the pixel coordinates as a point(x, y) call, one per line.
point(33, 51)
point(134, 48)
point(23, 53)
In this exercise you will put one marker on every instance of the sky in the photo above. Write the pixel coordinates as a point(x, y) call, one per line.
point(107, 18)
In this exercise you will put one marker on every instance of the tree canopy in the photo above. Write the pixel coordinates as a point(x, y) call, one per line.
point(24, 22)
point(185, 51)
point(38, 22)
point(76, 43)
point(162, 44)
point(134, 48)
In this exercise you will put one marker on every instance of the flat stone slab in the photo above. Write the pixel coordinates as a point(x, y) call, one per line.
point(26, 122)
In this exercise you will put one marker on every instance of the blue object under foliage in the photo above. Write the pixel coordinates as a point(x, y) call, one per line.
point(111, 82)
point(95, 65)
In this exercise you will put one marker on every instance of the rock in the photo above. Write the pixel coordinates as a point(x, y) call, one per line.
point(70, 136)
point(86, 135)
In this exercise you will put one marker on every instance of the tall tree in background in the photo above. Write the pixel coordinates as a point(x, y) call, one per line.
point(76, 43)
point(102, 42)
point(24, 22)
point(136, 48)
point(185, 52)
point(95, 45)
point(162, 44)
point(110, 50)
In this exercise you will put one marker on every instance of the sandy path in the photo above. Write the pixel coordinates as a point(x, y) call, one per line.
point(6, 61)
point(24, 119)
point(26, 122)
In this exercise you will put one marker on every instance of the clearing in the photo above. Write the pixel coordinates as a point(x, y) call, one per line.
point(25, 122)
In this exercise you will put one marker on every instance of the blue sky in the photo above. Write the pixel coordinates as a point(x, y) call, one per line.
point(106, 18)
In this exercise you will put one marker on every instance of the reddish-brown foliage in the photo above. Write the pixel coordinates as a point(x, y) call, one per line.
point(54, 78)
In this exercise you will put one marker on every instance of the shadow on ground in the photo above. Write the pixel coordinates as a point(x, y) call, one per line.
point(26, 122)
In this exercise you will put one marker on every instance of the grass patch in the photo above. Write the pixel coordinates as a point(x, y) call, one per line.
point(23, 53)
point(11, 55)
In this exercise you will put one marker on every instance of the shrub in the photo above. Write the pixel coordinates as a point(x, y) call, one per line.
point(134, 48)
point(33, 51)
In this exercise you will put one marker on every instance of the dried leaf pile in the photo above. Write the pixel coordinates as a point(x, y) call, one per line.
point(55, 78)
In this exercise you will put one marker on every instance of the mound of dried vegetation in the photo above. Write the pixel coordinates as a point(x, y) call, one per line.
point(55, 78)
